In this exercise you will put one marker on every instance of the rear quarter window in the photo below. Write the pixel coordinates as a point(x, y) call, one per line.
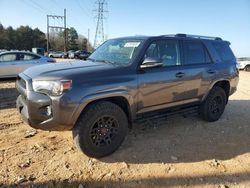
point(224, 51)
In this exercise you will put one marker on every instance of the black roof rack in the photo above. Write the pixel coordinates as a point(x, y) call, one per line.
point(195, 36)
point(198, 36)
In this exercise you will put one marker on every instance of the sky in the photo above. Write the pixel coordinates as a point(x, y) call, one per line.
point(228, 19)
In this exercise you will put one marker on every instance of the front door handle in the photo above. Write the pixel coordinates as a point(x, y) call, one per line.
point(211, 71)
point(180, 74)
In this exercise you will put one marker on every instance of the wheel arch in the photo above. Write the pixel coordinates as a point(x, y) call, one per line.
point(247, 67)
point(224, 84)
point(125, 102)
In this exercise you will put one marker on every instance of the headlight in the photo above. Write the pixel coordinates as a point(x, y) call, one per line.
point(53, 88)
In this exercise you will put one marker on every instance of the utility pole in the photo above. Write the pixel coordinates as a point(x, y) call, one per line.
point(65, 32)
point(50, 26)
point(99, 34)
point(47, 34)
point(88, 41)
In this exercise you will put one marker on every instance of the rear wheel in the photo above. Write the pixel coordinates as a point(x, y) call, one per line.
point(214, 105)
point(247, 68)
point(101, 129)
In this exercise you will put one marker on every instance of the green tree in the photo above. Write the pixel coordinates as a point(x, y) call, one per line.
point(10, 38)
point(72, 38)
point(57, 41)
point(22, 38)
point(84, 44)
point(2, 37)
point(39, 38)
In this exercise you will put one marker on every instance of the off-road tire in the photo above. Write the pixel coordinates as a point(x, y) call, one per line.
point(247, 68)
point(93, 121)
point(214, 105)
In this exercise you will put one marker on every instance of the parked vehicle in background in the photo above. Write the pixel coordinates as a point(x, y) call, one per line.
point(244, 63)
point(14, 62)
point(39, 51)
point(58, 54)
point(71, 54)
point(81, 54)
point(127, 80)
point(2, 50)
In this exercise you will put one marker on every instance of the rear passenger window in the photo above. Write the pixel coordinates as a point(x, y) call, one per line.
point(27, 57)
point(224, 51)
point(195, 53)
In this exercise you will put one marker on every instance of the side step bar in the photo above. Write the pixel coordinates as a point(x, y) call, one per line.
point(187, 111)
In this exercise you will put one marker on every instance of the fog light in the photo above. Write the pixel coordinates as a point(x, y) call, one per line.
point(46, 111)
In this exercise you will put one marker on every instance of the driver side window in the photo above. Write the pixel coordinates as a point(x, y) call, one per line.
point(167, 51)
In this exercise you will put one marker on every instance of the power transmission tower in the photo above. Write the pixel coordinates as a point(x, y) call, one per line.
point(99, 34)
point(57, 27)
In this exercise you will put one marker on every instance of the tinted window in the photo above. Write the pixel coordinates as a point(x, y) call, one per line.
point(195, 53)
point(27, 57)
point(7, 57)
point(244, 59)
point(165, 50)
point(224, 51)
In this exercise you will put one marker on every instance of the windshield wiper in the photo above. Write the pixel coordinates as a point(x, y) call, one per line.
point(102, 61)
point(106, 61)
point(91, 59)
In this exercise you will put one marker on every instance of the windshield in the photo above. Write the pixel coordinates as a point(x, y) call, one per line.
point(117, 51)
point(244, 59)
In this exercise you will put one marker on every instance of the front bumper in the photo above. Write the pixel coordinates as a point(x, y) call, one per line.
point(41, 111)
point(241, 66)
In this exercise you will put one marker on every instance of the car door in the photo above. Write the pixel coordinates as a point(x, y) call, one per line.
point(199, 67)
point(8, 64)
point(26, 60)
point(169, 85)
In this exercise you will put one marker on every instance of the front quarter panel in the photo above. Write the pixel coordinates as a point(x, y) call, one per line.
point(121, 83)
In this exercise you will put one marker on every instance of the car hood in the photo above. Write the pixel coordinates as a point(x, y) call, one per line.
point(65, 70)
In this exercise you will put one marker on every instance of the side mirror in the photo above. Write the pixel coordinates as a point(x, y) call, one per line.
point(151, 63)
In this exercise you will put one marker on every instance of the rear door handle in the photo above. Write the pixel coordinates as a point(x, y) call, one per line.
point(180, 74)
point(211, 71)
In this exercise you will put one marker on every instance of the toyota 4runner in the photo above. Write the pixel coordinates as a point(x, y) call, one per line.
point(124, 80)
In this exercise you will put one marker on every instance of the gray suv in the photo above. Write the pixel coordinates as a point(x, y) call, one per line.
point(125, 80)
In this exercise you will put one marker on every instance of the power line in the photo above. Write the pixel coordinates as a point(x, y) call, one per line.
point(85, 10)
point(35, 7)
point(87, 3)
point(69, 15)
point(41, 7)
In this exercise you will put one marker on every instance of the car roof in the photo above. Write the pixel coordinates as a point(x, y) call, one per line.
point(175, 36)
point(134, 37)
point(12, 52)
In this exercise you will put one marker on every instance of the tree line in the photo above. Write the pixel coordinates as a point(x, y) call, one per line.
point(26, 38)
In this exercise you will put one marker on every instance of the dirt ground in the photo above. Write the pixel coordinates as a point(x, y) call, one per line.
point(177, 152)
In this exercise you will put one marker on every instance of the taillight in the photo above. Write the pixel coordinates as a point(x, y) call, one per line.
point(51, 61)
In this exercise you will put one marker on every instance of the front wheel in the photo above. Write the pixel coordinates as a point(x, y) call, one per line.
point(101, 129)
point(247, 68)
point(214, 105)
